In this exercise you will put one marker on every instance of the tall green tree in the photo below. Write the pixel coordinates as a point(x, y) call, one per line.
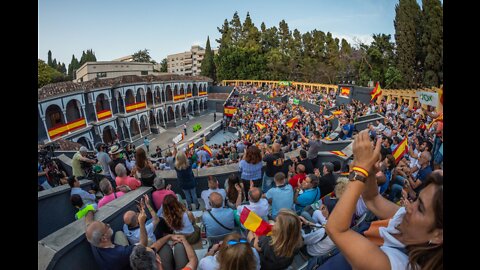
point(432, 42)
point(49, 61)
point(72, 67)
point(143, 56)
point(208, 65)
point(164, 65)
point(236, 28)
point(47, 74)
point(407, 27)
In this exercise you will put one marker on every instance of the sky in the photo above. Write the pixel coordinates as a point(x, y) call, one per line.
point(117, 28)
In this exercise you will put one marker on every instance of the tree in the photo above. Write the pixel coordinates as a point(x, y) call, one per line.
point(143, 56)
point(432, 42)
point(163, 65)
point(47, 74)
point(72, 67)
point(208, 65)
point(236, 28)
point(49, 61)
point(407, 26)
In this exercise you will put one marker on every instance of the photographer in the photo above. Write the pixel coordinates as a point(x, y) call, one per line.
point(104, 159)
point(80, 156)
point(42, 178)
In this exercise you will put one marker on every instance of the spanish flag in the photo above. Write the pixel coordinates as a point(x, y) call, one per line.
point(337, 112)
point(439, 118)
point(266, 111)
point(247, 137)
point(291, 123)
point(401, 150)
point(254, 223)
point(338, 153)
point(260, 126)
point(229, 111)
point(209, 151)
point(328, 117)
point(377, 91)
point(345, 92)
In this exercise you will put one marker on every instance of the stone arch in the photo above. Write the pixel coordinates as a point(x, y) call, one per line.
point(176, 91)
point(134, 128)
point(124, 128)
point(54, 116)
point(169, 93)
point(149, 97)
point(190, 107)
point(73, 110)
point(158, 95)
point(144, 124)
point(178, 116)
point(201, 105)
point(140, 97)
point(182, 90)
point(161, 117)
point(152, 119)
point(129, 98)
point(108, 134)
point(195, 90)
point(171, 114)
point(189, 88)
point(205, 106)
point(184, 111)
point(195, 106)
point(101, 103)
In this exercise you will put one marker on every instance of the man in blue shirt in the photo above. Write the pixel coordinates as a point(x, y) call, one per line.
point(88, 198)
point(218, 215)
point(280, 196)
point(147, 143)
point(310, 194)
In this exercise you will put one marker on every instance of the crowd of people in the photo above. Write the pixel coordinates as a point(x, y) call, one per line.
point(391, 214)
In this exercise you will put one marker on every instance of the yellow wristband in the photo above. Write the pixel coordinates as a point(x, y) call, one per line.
point(361, 170)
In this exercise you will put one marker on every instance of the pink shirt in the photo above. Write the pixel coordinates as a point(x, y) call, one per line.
point(131, 182)
point(108, 198)
point(159, 195)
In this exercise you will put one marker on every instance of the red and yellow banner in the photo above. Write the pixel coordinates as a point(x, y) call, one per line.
point(191, 145)
point(209, 151)
point(229, 111)
point(260, 126)
point(345, 92)
point(136, 106)
point(178, 97)
point(377, 91)
point(104, 114)
point(439, 118)
point(328, 117)
point(338, 112)
point(401, 150)
point(65, 128)
point(254, 223)
point(202, 93)
point(338, 153)
point(189, 95)
point(291, 123)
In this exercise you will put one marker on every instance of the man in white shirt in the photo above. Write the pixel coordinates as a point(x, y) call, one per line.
point(212, 187)
point(257, 204)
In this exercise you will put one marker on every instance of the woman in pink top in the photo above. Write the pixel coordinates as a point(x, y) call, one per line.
point(123, 179)
point(110, 195)
point(159, 195)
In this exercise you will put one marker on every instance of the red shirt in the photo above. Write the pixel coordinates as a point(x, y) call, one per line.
point(294, 180)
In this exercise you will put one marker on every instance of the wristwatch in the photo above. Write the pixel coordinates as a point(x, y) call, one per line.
point(356, 176)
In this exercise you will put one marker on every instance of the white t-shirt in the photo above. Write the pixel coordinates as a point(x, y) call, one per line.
point(206, 193)
point(187, 224)
point(211, 263)
point(260, 208)
point(398, 259)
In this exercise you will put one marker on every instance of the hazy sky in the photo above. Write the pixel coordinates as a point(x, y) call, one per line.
point(116, 28)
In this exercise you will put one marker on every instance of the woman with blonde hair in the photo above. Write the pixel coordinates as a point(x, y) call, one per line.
point(186, 178)
point(144, 168)
point(277, 250)
point(233, 253)
point(178, 219)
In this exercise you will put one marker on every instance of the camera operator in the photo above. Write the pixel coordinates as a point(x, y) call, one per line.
point(103, 160)
point(80, 156)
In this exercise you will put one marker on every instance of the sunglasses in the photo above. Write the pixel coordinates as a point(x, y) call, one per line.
point(240, 241)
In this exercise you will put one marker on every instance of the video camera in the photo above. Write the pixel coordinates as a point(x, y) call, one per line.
point(46, 157)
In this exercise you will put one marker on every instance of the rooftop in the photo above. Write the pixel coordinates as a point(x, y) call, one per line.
point(56, 89)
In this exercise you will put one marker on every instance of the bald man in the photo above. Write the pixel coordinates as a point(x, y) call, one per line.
point(212, 187)
point(274, 165)
point(218, 220)
point(131, 228)
point(107, 254)
point(256, 204)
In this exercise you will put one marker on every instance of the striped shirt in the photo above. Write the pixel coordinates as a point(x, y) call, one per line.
point(250, 171)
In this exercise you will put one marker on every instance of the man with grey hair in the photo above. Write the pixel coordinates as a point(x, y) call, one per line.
point(110, 255)
point(76, 162)
point(109, 193)
point(161, 192)
point(212, 187)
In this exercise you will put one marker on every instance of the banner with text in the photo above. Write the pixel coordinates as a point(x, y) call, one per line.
point(428, 98)
point(178, 138)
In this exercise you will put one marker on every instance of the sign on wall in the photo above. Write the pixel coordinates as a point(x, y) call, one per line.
point(428, 98)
